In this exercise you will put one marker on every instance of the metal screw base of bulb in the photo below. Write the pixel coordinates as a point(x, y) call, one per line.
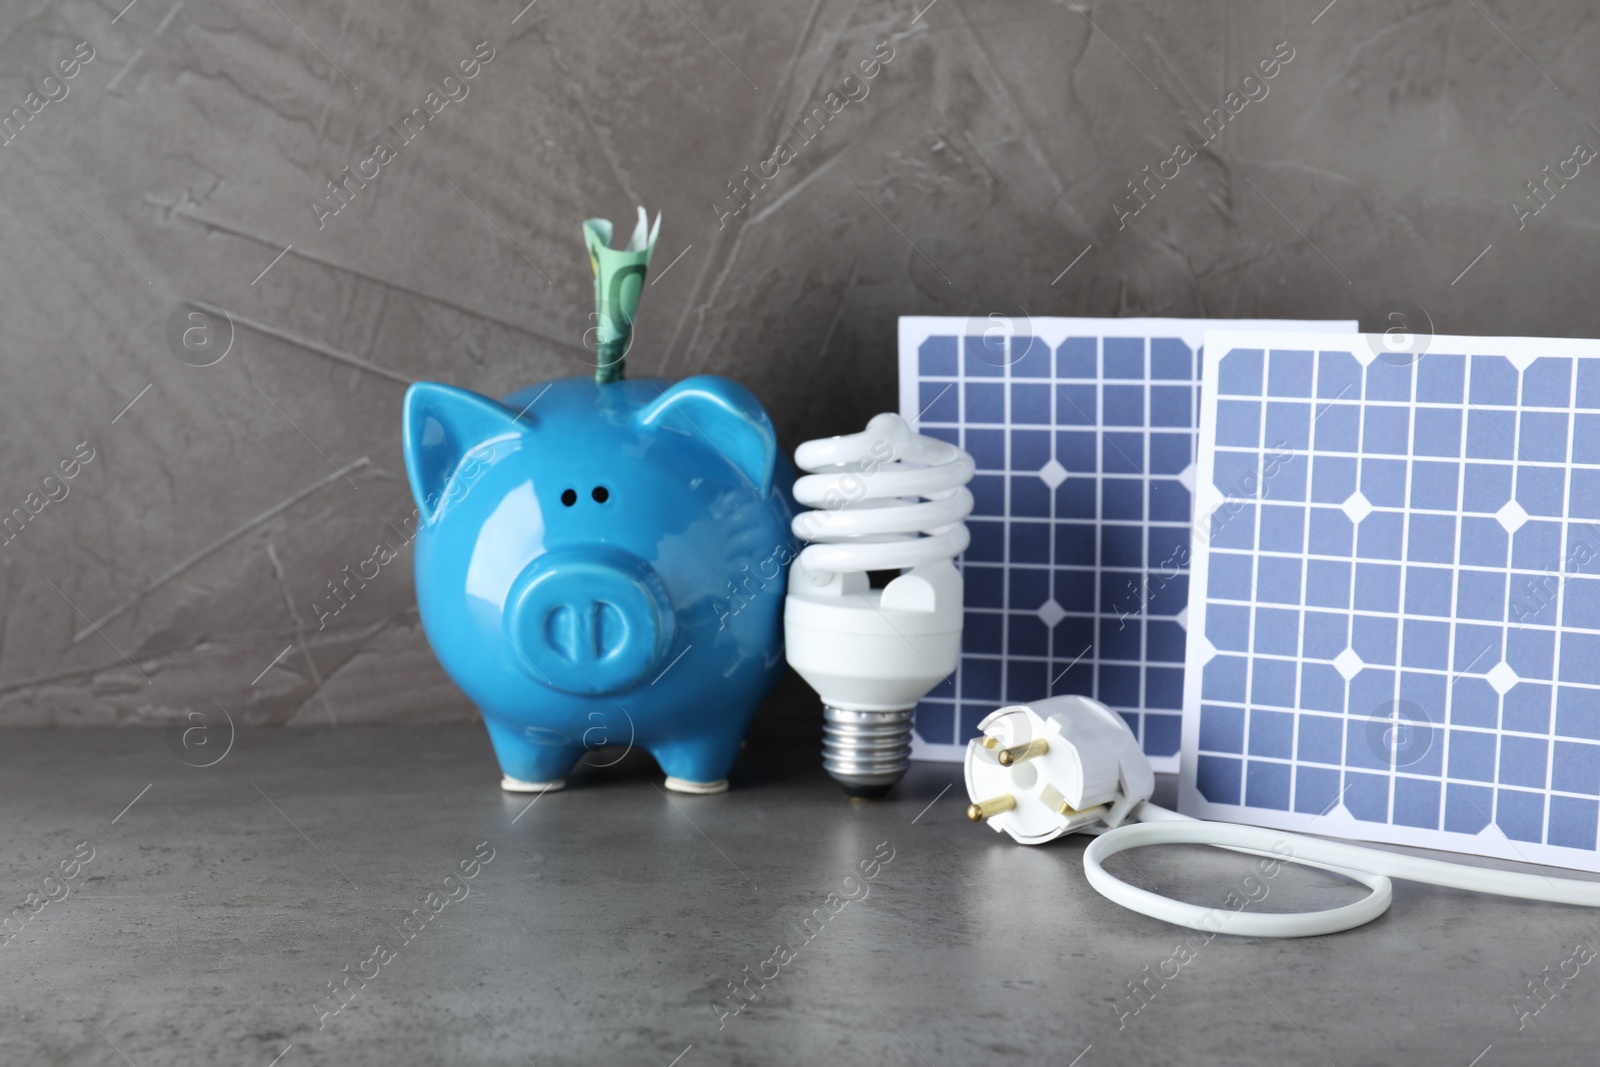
point(866, 751)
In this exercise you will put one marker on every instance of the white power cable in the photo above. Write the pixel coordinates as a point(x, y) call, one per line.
point(1074, 730)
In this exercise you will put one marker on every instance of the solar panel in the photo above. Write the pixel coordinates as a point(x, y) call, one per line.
point(1395, 617)
point(1083, 431)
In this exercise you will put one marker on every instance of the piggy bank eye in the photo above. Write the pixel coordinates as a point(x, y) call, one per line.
point(569, 498)
point(600, 494)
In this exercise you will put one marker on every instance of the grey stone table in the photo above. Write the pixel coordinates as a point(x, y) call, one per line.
point(604, 924)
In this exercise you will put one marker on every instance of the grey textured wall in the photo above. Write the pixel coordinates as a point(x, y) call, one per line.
point(981, 160)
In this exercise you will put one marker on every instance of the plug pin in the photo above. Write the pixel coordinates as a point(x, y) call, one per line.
point(1017, 753)
point(990, 742)
point(983, 809)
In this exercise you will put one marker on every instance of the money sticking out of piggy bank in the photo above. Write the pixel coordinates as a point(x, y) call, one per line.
point(603, 564)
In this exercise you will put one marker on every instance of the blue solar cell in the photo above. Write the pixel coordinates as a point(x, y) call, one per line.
point(988, 493)
point(935, 722)
point(1228, 627)
point(1171, 360)
point(1277, 632)
point(1222, 729)
point(1432, 539)
point(1434, 485)
point(1030, 405)
point(1377, 587)
point(939, 402)
point(1170, 453)
point(1379, 535)
point(984, 402)
point(1333, 479)
point(1316, 790)
point(1366, 796)
point(1583, 501)
point(1321, 739)
point(1171, 405)
point(1522, 760)
point(1289, 374)
point(1030, 358)
point(1481, 595)
point(1169, 501)
point(1338, 376)
point(1123, 453)
point(1484, 542)
point(1278, 580)
point(1122, 500)
point(1519, 814)
point(1572, 822)
point(1028, 635)
point(983, 632)
point(1288, 426)
point(1284, 476)
point(1493, 381)
point(1239, 372)
point(984, 356)
point(1271, 733)
point(1575, 768)
point(1164, 643)
point(1331, 533)
point(1491, 434)
point(1416, 802)
point(988, 542)
point(1437, 433)
point(986, 447)
point(1163, 687)
point(1427, 643)
point(985, 586)
point(1527, 708)
point(1030, 449)
point(1122, 405)
point(1076, 405)
point(1389, 380)
point(937, 357)
point(1124, 357)
point(1217, 778)
point(1163, 734)
point(1267, 785)
point(1440, 379)
point(1466, 808)
point(1386, 430)
point(1322, 688)
point(1327, 583)
point(1030, 498)
point(1078, 357)
point(1586, 439)
point(1030, 542)
point(1337, 428)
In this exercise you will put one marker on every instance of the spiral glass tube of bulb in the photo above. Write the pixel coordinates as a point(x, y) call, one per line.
point(885, 499)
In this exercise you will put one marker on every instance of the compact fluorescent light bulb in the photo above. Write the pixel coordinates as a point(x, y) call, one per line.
point(885, 499)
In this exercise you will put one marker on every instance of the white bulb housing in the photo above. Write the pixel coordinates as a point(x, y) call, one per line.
point(885, 499)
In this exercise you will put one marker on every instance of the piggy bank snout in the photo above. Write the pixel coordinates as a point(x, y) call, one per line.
point(590, 621)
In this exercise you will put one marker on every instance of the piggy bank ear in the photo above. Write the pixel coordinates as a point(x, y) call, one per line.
point(445, 426)
point(724, 415)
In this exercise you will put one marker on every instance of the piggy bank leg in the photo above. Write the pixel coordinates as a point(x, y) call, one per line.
point(698, 764)
point(532, 759)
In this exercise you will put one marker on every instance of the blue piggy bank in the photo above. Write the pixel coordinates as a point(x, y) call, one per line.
point(603, 565)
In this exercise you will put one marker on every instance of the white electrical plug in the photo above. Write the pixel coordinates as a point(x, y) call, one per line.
point(1069, 764)
point(1055, 767)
